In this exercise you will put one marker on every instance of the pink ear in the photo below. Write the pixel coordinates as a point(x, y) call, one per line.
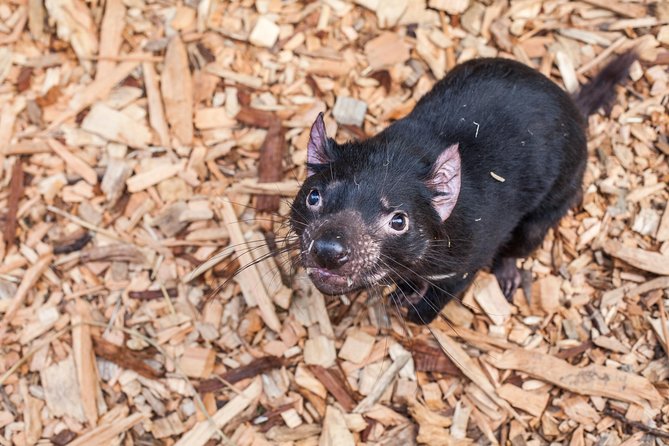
point(316, 147)
point(446, 181)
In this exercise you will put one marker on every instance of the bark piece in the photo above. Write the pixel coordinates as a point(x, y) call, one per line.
point(124, 357)
point(15, 194)
point(270, 167)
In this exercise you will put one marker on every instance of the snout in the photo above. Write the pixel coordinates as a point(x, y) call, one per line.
point(329, 251)
point(339, 254)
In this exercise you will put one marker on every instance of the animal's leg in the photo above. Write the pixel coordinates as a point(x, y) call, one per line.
point(527, 237)
point(507, 274)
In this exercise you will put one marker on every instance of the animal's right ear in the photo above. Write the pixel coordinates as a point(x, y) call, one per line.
point(316, 148)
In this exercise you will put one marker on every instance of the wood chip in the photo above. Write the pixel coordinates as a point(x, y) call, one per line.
point(531, 402)
point(270, 167)
point(265, 33)
point(61, 390)
point(591, 380)
point(116, 126)
point(470, 369)
point(200, 434)
point(349, 111)
point(648, 261)
point(386, 50)
point(249, 278)
point(111, 36)
point(107, 432)
point(388, 12)
point(28, 281)
point(84, 357)
point(357, 347)
point(489, 296)
point(198, 362)
point(157, 117)
point(15, 193)
point(152, 177)
point(175, 108)
point(75, 163)
point(177, 89)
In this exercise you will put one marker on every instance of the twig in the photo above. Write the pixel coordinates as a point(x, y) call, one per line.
point(663, 320)
point(635, 424)
point(84, 223)
point(125, 58)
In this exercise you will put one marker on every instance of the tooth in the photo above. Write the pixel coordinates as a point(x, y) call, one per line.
point(311, 245)
point(349, 282)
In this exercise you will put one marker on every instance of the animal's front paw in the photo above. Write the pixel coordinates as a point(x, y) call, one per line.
point(508, 276)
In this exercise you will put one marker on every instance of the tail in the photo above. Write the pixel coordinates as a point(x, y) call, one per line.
point(599, 91)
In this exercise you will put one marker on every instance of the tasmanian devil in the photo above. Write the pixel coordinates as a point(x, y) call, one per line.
point(490, 159)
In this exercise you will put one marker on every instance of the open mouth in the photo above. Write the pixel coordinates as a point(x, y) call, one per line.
point(330, 283)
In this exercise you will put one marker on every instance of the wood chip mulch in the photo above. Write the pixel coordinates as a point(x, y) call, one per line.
point(149, 150)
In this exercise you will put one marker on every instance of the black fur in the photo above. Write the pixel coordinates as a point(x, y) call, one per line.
point(509, 121)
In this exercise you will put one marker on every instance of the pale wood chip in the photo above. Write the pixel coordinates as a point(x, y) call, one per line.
point(84, 357)
point(243, 79)
point(470, 369)
point(177, 88)
point(591, 380)
point(111, 36)
point(29, 280)
point(154, 176)
point(533, 403)
point(61, 390)
point(264, 33)
point(155, 104)
point(646, 260)
point(105, 433)
point(567, 71)
point(489, 296)
point(116, 126)
point(198, 362)
point(248, 278)
point(386, 50)
point(75, 24)
point(357, 346)
point(388, 12)
point(200, 434)
point(335, 432)
point(386, 378)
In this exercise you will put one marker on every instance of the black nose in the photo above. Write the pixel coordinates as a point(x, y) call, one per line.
point(329, 251)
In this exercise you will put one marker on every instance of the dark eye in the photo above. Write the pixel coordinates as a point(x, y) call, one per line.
point(313, 198)
point(399, 222)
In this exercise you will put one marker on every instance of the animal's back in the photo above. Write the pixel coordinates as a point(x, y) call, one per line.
point(521, 141)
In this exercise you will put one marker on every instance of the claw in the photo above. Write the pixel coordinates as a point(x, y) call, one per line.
point(507, 275)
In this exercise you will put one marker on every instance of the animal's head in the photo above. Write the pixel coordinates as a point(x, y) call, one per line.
point(369, 210)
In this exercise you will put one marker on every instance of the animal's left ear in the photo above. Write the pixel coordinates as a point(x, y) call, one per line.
point(445, 181)
point(316, 148)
